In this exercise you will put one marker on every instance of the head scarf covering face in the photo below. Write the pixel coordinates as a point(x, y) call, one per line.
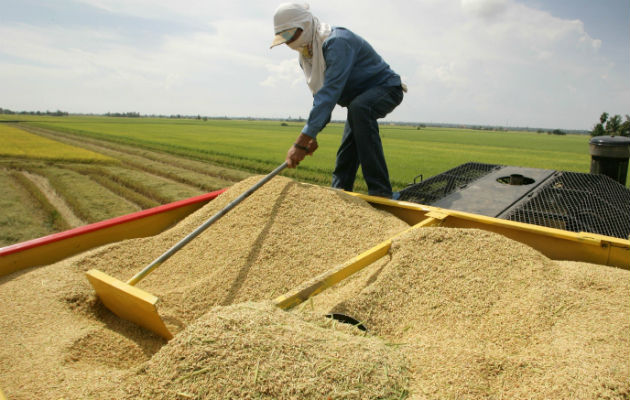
point(293, 15)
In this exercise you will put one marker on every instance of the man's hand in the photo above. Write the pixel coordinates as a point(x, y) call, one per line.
point(304, 145)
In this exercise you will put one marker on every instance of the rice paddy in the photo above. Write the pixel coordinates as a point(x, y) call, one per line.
point(103, 167)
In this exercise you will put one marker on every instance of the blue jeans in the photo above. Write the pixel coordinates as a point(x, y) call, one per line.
point(361, 142)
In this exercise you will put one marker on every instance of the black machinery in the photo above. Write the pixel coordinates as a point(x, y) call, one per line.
point(570, 201)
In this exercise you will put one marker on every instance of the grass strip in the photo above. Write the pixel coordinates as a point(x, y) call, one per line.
point(165, 166)
point(129, 194)
point(55, 220)
point(88, 200)
point(132, 191)
point(231, 160)
point(21, 217)
point(16, 142)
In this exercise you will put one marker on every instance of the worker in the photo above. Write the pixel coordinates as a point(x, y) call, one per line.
point(341, 68)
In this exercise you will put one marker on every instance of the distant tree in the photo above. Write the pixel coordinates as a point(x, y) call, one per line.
point(613, 124)
point(624, 129)
point(598, 129)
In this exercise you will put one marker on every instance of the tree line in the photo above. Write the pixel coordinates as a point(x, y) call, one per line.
point(57, 113)
point(612, 126)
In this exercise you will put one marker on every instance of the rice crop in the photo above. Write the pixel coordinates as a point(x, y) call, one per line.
point(21, 217)
point(20, 144)
point(88, 200)
point(258, 146)
point(484, 317)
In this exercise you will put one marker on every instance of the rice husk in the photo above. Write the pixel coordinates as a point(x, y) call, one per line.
point(482, 316)
point(256, 350)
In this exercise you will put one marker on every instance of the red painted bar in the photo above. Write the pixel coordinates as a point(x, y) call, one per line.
point(23, 255)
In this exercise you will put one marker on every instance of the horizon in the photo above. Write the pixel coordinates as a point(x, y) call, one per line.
point(555, 63)
point(128, 114)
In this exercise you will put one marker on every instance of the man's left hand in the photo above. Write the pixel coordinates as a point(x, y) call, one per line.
point(304, 145)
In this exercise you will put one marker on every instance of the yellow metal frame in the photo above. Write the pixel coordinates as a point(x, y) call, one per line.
point(556, 244)
point(333, 276)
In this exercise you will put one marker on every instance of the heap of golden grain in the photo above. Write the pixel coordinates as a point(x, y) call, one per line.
point(451, 313)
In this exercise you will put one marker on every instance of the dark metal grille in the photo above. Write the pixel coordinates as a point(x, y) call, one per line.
point(439, 186)
point(578, 202)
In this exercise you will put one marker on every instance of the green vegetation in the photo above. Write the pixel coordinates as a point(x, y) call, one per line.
point(54, 221)
point(90, 202)
point(203, 175)
point(107, 166)
point(258, 146)
point(22, 217)
point(20, 144)
point(155, 189)
point(611, 126)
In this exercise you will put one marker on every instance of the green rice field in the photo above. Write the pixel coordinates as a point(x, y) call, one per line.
point(260, 145)
point(102, 167)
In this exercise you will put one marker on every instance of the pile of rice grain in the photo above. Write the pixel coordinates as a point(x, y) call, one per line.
point(255, 350)
point(482, 316)
point(283, 234)
point(477, 315)
point(280, 236)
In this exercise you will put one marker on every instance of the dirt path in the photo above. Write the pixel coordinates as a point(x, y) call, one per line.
point(54, 199)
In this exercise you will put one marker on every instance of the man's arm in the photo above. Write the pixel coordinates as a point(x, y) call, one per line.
point(339, 56)
point(339, 60)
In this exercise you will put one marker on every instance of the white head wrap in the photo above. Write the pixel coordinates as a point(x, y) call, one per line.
point(293, 15)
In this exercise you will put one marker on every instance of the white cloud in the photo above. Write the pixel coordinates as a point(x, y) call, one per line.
point(282, 74)
point(468, 61)
point(486, 9)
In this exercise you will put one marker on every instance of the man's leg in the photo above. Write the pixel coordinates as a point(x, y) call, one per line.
point(347, 162)
point(363, 112)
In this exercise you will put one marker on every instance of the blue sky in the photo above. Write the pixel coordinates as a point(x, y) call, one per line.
point(535, 63)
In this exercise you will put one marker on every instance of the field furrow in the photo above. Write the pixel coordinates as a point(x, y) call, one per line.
point(22, 217)
point(197, 173)
point(88, 200)
point(57, 203)
point(154, 189)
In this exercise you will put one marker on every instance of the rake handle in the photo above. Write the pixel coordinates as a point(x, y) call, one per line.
point(158, 261)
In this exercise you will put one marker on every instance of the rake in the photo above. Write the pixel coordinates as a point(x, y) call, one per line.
point(138, 306)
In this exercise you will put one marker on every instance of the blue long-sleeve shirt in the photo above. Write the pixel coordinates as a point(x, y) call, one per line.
point(352, 66)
